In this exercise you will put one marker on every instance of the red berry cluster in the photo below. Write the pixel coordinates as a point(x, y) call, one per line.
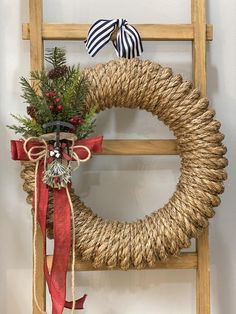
point(76, 120)
point(54, 101)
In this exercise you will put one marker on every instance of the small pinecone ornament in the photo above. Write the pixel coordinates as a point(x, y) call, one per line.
point(31, 111)
point(57, 72)
point(57, 174)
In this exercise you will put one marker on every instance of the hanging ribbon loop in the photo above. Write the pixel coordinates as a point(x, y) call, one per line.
point(128, 43)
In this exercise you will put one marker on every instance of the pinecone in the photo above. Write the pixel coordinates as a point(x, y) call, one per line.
point(31, 111)
point(57, 72)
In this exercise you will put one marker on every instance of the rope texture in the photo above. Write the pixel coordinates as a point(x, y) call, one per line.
point(151, 87)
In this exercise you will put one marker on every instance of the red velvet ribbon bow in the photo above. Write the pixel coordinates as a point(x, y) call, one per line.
point(56, 279)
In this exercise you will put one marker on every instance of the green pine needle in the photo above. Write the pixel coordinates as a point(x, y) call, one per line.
point(56, 57)
point(70, 88)
point(86, 128)
point(27, 127)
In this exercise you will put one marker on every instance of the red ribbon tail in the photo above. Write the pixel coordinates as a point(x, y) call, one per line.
point(62, 244)
point(62, 247)
point(79, 304)
point(56, 279)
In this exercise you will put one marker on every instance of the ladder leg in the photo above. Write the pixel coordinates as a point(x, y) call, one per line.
point(199, 76)
point(203, 275)
point(36, 58)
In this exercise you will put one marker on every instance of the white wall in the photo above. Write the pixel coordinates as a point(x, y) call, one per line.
point(143, 183)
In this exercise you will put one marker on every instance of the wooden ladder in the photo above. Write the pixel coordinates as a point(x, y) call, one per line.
point(197, 32)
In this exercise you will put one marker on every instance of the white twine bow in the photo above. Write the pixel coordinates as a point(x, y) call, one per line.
point(38, 152)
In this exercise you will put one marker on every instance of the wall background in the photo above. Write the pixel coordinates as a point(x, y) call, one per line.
point(133, 186)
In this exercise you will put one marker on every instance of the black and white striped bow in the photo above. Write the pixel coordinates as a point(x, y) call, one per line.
point(127, 44)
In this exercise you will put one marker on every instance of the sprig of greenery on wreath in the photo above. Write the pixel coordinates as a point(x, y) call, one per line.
point(56, 95)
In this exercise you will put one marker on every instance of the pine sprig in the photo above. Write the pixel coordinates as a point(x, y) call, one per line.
point(81, 91)
point(29, 93)
point(86, 128)
point(34, 99)
point(71, 84)
point(58, 94)
point(27, 127)
point(56, 57)
point(41, 81)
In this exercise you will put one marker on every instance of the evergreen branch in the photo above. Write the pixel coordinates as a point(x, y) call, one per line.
point(56, 57)
point(27, 127)
point(87, 127)
point(71, 84)
point(42, 81)
point(38, 101)
point(29, 93)
point(81, 91)
point(58, 94)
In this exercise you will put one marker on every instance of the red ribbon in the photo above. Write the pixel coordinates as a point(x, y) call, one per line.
point(56, 279)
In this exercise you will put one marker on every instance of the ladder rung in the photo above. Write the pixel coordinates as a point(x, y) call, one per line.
point(147, 31)
point(184, 261)
point(139, 147)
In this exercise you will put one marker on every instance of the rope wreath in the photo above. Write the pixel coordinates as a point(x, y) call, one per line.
point(148, 86)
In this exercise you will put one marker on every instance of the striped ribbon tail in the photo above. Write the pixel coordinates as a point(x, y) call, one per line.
point(127, 43)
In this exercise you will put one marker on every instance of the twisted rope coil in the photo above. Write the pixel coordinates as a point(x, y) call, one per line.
point(148, 86)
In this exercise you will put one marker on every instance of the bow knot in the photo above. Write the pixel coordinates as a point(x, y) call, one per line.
point(127, 43)
point(57, 173)
point(121, 22)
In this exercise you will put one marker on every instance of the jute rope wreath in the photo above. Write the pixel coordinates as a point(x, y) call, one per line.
point(148, 86)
